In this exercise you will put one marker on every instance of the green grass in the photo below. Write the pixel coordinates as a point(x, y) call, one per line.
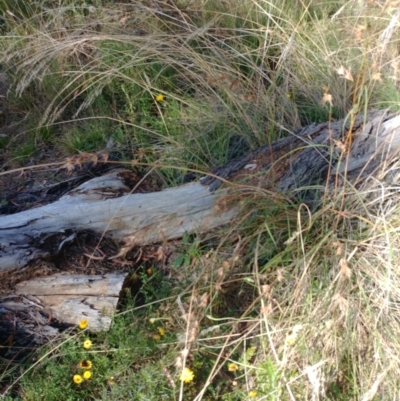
point(117, 366)
point(303, 302)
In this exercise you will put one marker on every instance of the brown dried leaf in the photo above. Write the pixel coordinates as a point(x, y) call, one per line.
point(104, 157)
point(377, 77)
point(280, 275)
point(160, 254)
point(130, 242)
point(341, 145)
point(247, 97)
point(339, 248)
point(178, 362)
point(345, 73)
point(192, 334)
point(266, 290)
point(327, 98)
point(141, 153)
point(340, 302)
point(203, 300)
point(69, 165)
point(345, 270)
point(359, 32)
point(267, 309)
point(234, 84)
point(210, 80)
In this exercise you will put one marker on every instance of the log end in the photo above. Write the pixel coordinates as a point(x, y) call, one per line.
point(72, 298)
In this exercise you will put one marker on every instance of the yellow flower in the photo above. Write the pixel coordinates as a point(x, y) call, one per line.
point(87, 374)
point(77, 379)
point(83, 324)
point(161, 331)
point(159, 97)
point(232, 367)
point(252, 394)
point(85, 364)
point(87, 344)
point(288, 95)
point(187, 375)
point(291, 339)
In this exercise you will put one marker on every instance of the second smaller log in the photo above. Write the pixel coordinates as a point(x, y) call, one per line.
point(72, 298)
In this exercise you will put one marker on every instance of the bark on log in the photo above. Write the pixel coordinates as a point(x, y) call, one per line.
point(346, 150)
point(317, 152)
point(67, 298)
point(71, 298)
point(104, 205)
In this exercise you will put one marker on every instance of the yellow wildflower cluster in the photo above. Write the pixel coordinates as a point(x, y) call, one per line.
point(161, 331)
point(84, 364)
point(86, 375)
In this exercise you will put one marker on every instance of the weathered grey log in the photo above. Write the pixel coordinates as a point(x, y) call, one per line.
point(27, 316)
point(307, 156)
point(71, 298)
point(317, 154)
point(105, 205)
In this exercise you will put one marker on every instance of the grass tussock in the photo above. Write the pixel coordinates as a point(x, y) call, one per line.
point(288, 303)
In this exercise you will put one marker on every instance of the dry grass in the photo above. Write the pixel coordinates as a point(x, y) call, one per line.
point(304, 302)
point(320, 317)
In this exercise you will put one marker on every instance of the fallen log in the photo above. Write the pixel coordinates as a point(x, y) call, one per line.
point(315, 156)
point(348, 149)
point(104, 205)
point(68, 298)
point(71, 298)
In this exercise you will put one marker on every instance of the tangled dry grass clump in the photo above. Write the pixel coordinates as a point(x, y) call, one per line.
point(304, 302)
point(319, 318)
